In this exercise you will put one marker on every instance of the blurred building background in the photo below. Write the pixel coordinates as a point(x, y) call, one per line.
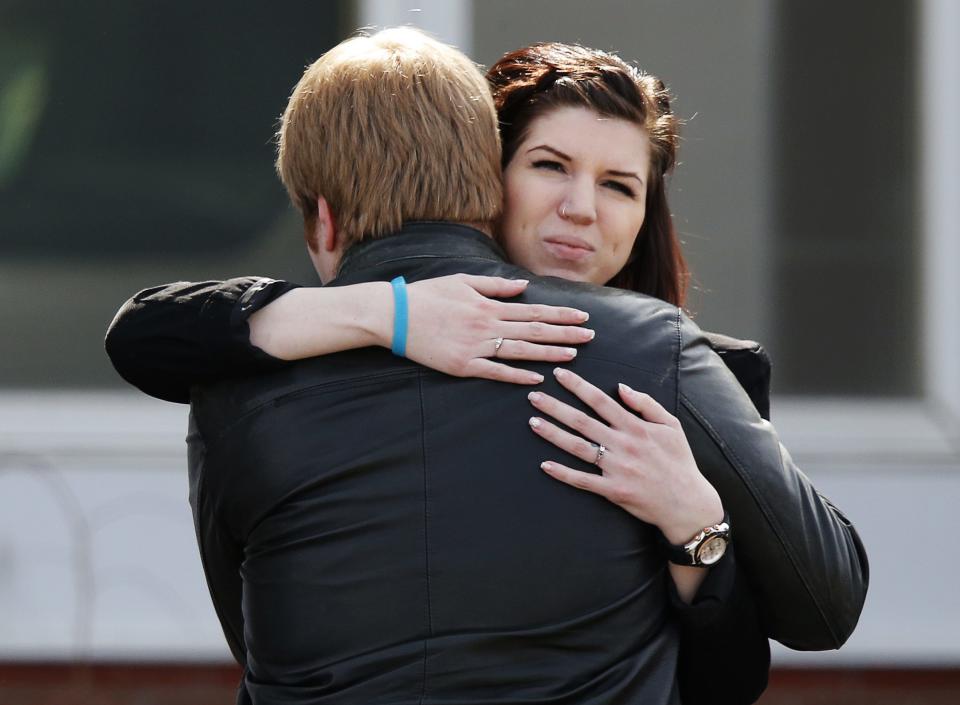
point(818, 196)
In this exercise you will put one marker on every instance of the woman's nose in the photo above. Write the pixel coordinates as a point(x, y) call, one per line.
point(578, 205)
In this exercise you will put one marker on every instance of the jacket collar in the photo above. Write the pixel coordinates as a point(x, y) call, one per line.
point(421, 239)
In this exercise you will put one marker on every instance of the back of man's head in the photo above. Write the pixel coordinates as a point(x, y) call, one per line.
point(390, 128)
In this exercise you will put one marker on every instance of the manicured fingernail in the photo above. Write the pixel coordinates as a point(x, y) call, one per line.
point(536, 378)
point(571, 352)
point(625, 388)
point(522, 281)
point(534, 396)
point(535, 422)
point(559, 373)
point(583, 316)
point(589, 333)
point(546, 466)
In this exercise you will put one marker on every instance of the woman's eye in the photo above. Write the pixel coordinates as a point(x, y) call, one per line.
point(621, 187)
point(548, 164)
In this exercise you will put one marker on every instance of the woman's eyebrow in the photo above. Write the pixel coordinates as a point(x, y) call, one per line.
point(551, 150)
point(625, 174)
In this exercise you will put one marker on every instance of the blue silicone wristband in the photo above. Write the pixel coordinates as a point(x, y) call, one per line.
point(400, 316)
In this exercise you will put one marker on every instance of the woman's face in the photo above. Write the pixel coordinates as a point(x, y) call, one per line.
point(575, 195)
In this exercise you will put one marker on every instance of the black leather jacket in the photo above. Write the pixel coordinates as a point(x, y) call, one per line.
point(803, 556)
point(805, 560)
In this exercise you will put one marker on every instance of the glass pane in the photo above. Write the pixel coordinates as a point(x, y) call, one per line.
point(847, 236)
point(136, 146)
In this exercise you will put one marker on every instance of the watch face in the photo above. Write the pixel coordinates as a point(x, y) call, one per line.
point(712, 550)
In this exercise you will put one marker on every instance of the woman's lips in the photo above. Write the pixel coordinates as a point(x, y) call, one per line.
point(568, 248)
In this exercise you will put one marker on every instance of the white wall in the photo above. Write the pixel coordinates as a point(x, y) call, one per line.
point(447, 20)
point(97, 551)
point(98, 557)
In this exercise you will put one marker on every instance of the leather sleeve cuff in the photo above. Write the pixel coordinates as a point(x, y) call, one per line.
point(169, 337)
point(723, 644)
point(237, 303)
point(712, 597)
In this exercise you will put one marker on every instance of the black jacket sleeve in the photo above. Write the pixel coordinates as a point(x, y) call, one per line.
point(749, 363)
point(724, 656)
point(724, 652)
point(168, 338)
point(806, 563)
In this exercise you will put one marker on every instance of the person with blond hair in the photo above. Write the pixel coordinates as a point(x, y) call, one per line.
point(364, 538)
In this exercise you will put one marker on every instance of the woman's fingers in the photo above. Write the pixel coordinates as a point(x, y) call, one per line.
point(542, 312)
point(572, 418)
point(475, 332)
point(540, 332)
point(496, 287)
point(486, 369)
point(499, 287)
point(574, 445)
point(522, 350)
point(648, 407)
point(575, 478)
point(604, 405)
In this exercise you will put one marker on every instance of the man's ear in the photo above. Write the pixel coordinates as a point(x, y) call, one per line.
point(323, 233)
point(323, 241)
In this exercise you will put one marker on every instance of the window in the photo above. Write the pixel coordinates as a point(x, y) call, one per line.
point(135, 148)
point(847, 237)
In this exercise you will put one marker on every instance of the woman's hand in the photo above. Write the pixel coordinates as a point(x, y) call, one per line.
point(647, 466)
point(455, 328)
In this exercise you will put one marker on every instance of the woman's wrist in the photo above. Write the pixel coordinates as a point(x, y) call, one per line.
point(271, 328)
point(704, 511)
point(315, 321)
point(372, 304)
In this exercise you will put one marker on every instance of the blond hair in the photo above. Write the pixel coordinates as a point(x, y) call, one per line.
point(390, 128)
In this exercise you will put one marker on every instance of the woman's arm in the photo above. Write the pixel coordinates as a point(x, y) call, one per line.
point(453, 325)
point(648, 468)
point(805, 561)
point(166, 339)
point(751, 365)
point(724, 653)
point(804, 558)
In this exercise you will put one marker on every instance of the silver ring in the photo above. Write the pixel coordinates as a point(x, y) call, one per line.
point(496, 346)
point(601, 450)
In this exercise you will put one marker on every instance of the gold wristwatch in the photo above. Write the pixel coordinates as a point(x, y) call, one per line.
point(704, 549)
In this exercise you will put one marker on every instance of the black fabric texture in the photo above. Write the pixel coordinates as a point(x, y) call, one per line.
point(393, 555)
point(167, 338)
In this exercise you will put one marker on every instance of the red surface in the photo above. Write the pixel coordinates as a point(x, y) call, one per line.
point(117, 684)
point(191, 684)
point(862, 686)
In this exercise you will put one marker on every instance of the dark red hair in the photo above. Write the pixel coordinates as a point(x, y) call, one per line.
point(532, 81)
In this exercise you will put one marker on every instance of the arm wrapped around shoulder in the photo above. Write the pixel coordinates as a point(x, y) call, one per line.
point(802, 557)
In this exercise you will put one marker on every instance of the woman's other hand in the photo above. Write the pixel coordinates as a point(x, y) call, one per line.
point(458, 328)
point(646, 466)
